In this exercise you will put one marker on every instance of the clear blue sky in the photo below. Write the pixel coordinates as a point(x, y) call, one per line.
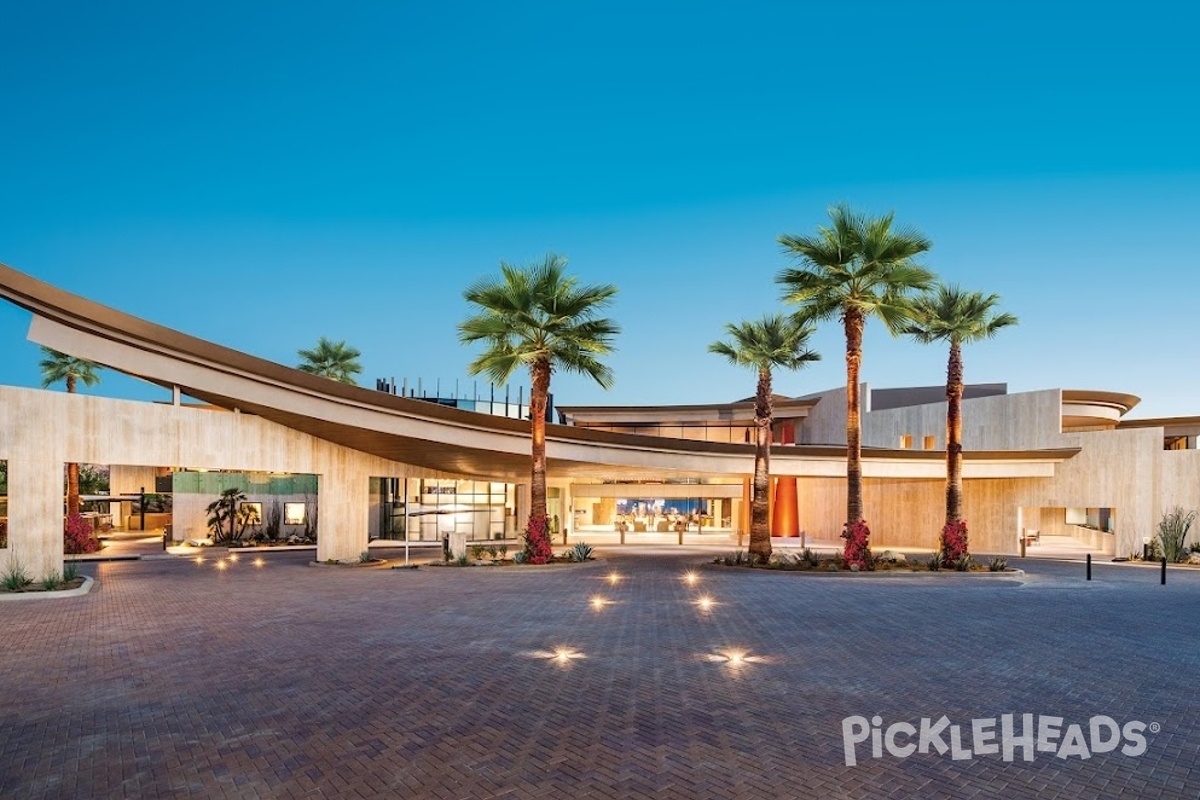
point(263, 174)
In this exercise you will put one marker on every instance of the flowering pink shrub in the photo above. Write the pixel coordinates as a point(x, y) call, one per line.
point(3, 533)
point(954, 541)
point(858, 544)
point(537, 541)
point(78, 536)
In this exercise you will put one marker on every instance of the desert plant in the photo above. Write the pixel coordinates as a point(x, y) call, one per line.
point(582, 551)
point(463, 560)
point(273, 523)
point(70, 572)
point(963, 563)
point(935, 561)
point(365, 557)
point(492, 551)
point(519, 557)
point(14, 578)
point(950, 314)
point(1194, 547)
point(539, 318)
point(503, 551)
point(777, 341)
point(809, 557)
point(998, 564)
point(78, 536)
point(1172, 531)
point(477, 551)
point(50, 582)
point(856, 268)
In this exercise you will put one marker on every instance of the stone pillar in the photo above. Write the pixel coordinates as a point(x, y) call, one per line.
point(343, 508)
point(35, 511)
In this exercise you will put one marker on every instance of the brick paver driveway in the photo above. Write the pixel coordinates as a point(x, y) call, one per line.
point(173, 680)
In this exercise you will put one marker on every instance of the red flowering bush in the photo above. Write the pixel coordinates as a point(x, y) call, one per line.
point(3, 533)
point(78, 536)
point(954, 541)
point(858, 541)
point(537, 541)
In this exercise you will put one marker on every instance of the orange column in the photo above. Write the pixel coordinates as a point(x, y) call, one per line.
point(785, 521)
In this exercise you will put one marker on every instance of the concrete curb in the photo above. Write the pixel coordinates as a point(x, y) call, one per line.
point(16, 596)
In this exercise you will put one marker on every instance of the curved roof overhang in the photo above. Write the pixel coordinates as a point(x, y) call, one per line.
point(425, 434)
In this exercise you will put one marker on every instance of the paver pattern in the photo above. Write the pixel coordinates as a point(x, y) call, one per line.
point(174, 680)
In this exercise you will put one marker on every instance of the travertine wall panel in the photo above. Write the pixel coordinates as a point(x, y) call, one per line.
point(40, 431)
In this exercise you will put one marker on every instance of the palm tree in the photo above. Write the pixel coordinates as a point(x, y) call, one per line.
point(57, 367)
point(950, 314)
point(330, 359)
point(540, 318)
point(780, 341)
point(858, 267)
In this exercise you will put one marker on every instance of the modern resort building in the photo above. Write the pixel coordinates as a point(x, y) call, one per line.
point(354, 464)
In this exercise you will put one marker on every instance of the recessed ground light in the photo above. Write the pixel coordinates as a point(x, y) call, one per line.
point(614, 578)
point(690, 578)
point(221, 564)
point(258, 562)
point(199, 559)
point(705, 603)
point(233, 556)
point(599, 602)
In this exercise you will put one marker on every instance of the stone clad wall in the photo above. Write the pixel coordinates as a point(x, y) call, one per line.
point(40, 431)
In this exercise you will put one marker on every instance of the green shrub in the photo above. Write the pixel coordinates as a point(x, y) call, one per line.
point(582, 551)
point(50, 582)
point(462, 561)
point(1172, 531)
point(962, 563)
point(70, 571)
point(519, 557)
point(491, 551)
point(364, 557)
point(998, 564)
point(935, 561)
point(503, 550)
point(809, 557)
point(477, 551)
point(14, 577)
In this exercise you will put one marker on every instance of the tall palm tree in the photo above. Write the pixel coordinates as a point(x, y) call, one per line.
point(57, 367)
point(856, 268)
point(540, 318)
point(330, 359)
point(775, 341)
point(950, 314)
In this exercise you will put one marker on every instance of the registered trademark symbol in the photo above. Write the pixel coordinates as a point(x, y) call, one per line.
point(1155, 727)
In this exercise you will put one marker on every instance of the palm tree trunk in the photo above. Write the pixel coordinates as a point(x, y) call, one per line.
point(72, 489)
point(954, 394)
point(72, 469)
point(538, 394)
point(854, 323)
point(760, 532)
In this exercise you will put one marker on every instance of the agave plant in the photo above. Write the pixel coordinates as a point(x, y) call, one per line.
point(582, 551)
